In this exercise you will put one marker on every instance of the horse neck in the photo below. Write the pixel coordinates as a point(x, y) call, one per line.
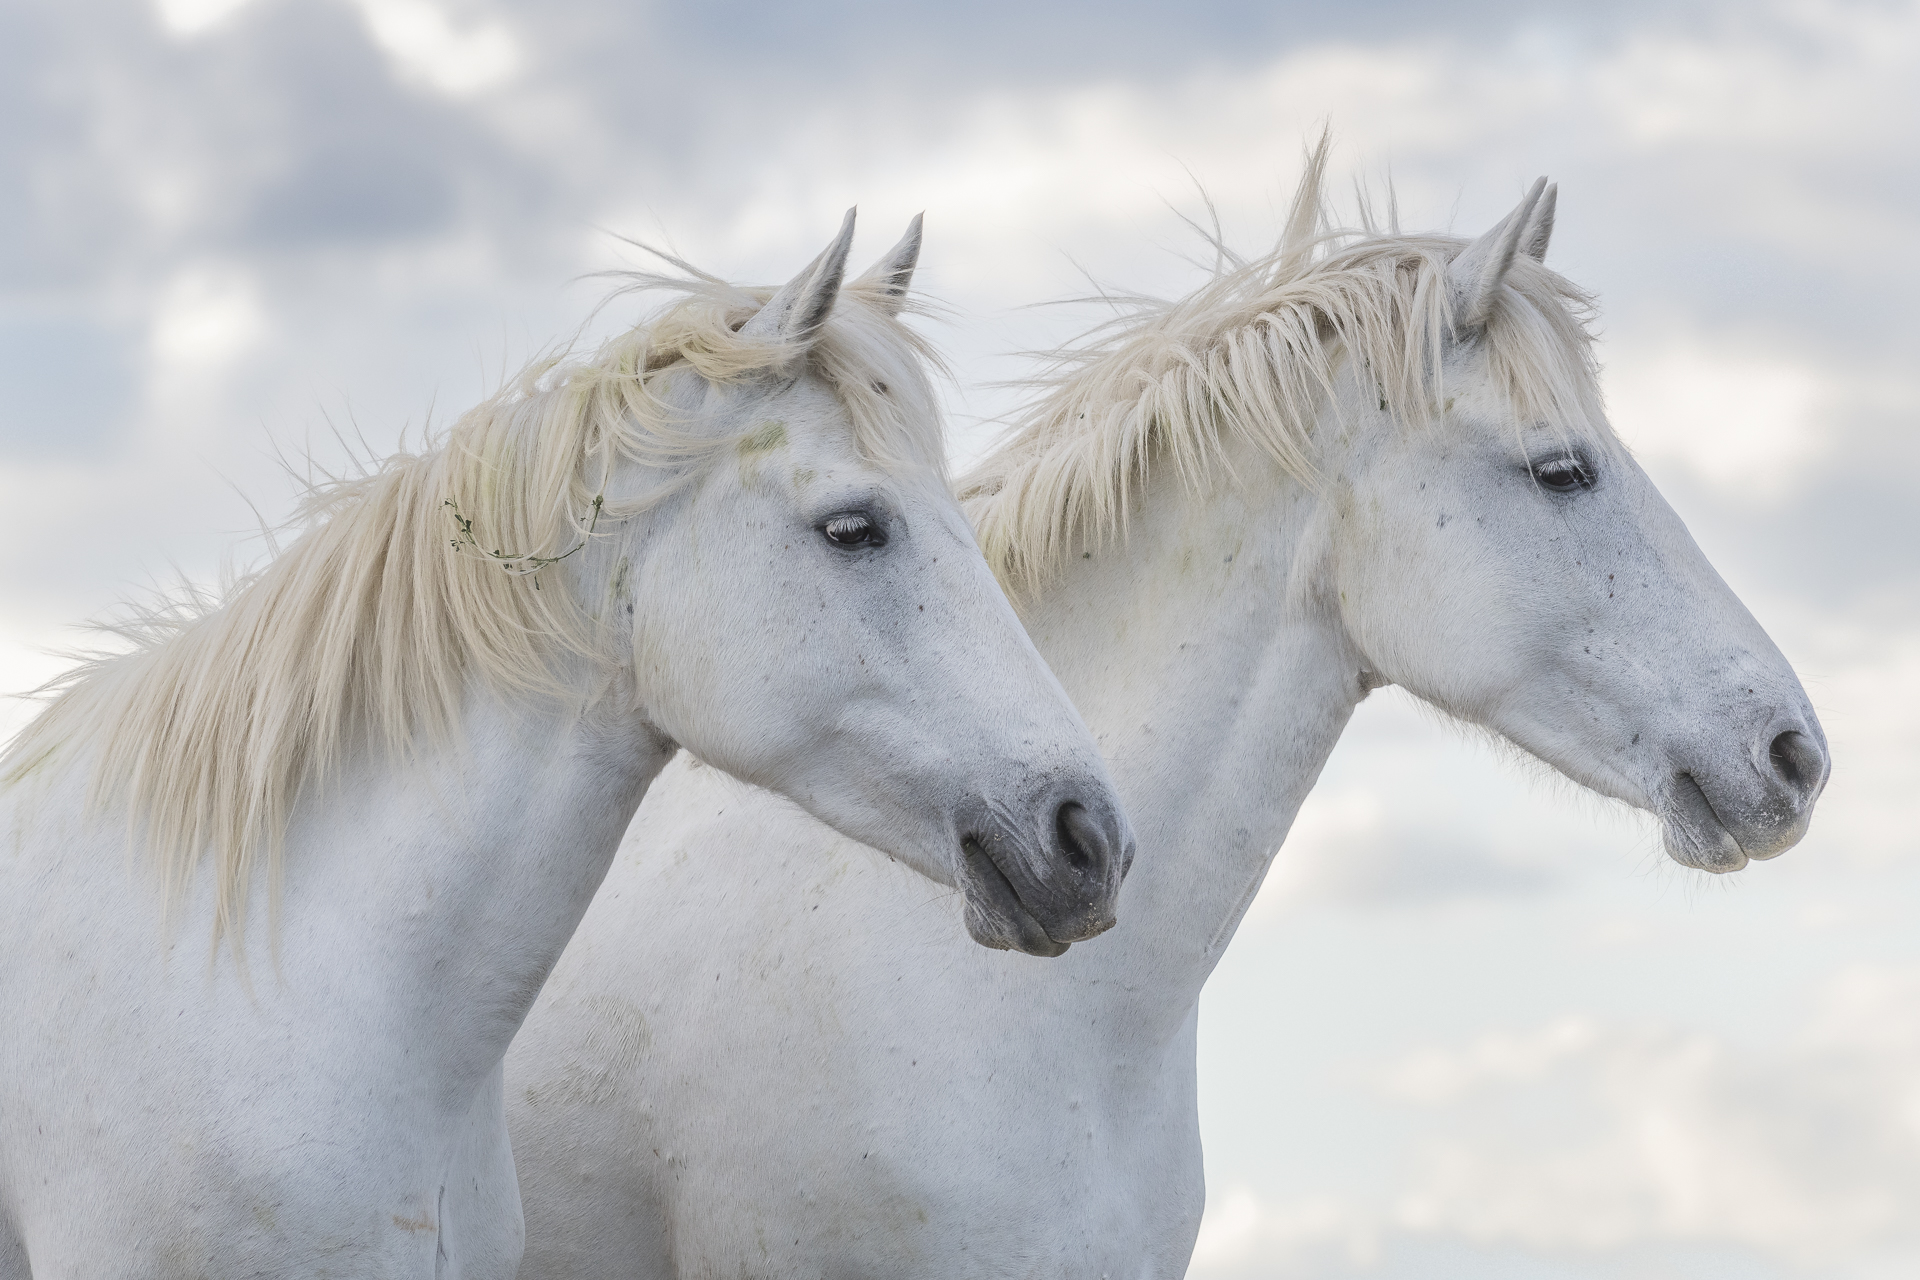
point(433, 899)
point(1217, 687)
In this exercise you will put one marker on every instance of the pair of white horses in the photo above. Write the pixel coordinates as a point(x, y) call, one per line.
point(412, 743)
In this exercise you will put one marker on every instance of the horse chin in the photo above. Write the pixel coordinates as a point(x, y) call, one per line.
point(996, 917)
point(1693, 832)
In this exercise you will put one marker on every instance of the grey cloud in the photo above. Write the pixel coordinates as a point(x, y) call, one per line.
point(1849, 541)
point(1590, 1148)
point(1845, 537)
point(1795, 1153)
point(995, 40)
point(348, 154)
point(292, 139)
point(702, 88)
point(70, 383)
point(284, 130)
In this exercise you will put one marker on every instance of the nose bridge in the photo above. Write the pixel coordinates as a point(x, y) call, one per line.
point(1736, 720)
point(1708, 655)
point(1046, 813)
point(1747, 694)
point(993, 670)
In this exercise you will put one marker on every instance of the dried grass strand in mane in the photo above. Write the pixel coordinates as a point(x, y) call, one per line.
point(412, 580)
point(1253, 354)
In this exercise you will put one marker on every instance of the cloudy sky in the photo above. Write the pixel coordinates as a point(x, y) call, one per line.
point(1475, 1026)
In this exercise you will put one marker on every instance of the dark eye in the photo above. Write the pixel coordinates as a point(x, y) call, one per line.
point(852, 529)
point(1563, 475)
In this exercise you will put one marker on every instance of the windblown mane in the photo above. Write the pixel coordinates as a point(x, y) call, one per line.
point(408, 581)
point(1251, 354)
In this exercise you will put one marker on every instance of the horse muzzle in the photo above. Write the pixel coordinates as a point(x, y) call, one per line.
point(1718, 823)
point(1038, 888)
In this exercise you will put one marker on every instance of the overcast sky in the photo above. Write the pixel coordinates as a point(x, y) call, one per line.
point(1474, 1027)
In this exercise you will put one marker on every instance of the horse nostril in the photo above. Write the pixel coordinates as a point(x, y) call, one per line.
point(1081, 838)
point(1798, 761)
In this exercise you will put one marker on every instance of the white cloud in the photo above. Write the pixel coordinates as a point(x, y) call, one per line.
point(205, 318)
point(1746, 421)
point(1305, 1237)
point(1583, 1137)
point(1808, 1155)
point(1435, 1076)
point(1725, 143)
point(1775, 93)
point(459, 60)
point(191, 17)
point(1370, 844)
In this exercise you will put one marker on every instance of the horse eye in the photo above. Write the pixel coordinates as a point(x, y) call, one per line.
point(853, 530)
point(1563, 475)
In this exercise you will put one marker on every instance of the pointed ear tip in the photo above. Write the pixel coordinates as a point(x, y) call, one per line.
point(843, 243)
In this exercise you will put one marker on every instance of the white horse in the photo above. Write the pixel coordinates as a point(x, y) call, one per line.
point(415, 739)
point(1366, 459)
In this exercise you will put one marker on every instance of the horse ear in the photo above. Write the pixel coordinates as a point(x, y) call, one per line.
point(1540, 227)
point(1476, 274)
point(796, 313)
point(892, 276)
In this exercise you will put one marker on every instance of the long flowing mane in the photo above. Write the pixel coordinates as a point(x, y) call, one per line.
point(1251, 354)
point(410, 581)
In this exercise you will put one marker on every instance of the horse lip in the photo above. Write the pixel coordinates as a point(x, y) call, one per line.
point(990, 892)
point(1710, 844)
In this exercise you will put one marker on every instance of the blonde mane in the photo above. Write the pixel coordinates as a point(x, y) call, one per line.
point(1251, 354)
point(406, 583)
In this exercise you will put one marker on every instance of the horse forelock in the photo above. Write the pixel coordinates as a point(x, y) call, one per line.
point(1253, 354)
point(422, 573)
